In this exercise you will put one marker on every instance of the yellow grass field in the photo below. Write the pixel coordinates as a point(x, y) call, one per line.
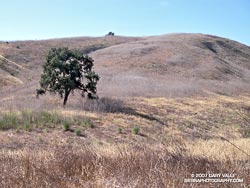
point(178, 137)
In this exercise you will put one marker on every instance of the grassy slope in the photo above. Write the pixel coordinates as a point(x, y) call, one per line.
point(175, 65)
point(8, 72)
point(178, 135)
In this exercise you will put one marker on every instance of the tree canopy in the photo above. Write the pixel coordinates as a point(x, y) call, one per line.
point(67, 70)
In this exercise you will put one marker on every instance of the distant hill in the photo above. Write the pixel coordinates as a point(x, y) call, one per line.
point(167, 65)
point(176, 64)
point(31, 54)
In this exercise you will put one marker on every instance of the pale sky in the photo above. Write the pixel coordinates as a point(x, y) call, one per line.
point(43, 19)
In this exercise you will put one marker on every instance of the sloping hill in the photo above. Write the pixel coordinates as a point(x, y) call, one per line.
point(175, 64)
point(115, 141)
point(16, 58)
point(31, 54)
point(167, 65)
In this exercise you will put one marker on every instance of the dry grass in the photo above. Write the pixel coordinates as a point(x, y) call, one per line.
point(119, 166)
point(6, 80)
point(161, 155)
point(152, 83)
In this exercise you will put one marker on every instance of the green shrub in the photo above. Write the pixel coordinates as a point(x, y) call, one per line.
point(78, 132)
point(136, 129)
point(66, 125)
point(119, 130)
point(88, 123)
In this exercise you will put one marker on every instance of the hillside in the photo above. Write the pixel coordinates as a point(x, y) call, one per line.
point(15, 57)
point(170, 106)
point(8, 71)
point(167, 65)
point(31, 54)
point(175, 64)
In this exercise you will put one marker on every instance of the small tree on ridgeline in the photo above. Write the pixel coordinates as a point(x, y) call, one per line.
point(67, 70)
point(111, 34)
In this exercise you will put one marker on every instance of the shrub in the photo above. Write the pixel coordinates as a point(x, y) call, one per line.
point(66, 125)
point(88, 123)
point(136, 129)
point(78, 132)
point(119, 130)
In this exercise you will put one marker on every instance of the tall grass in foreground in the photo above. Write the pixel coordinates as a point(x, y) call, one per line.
point(114, 167)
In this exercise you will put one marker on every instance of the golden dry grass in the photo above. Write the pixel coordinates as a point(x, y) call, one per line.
point(136, 165)
point(173, 143)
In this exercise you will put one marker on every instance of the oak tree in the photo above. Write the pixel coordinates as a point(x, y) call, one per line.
point(68, 70)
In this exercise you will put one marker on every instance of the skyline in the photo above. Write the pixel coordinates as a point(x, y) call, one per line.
point(34, 20)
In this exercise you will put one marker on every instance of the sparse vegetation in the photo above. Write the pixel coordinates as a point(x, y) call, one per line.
point(28, 119)
point(88, 123)
point(136, 129)
point(119, 130)
point(92, 48)
point(27, 127)
point(8, 121)
point(78, 132)
point(245, 115)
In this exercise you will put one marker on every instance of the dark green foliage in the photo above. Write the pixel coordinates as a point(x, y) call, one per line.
point(119, 130)
point(111, 34)
point(136, 129)
point(66, 70)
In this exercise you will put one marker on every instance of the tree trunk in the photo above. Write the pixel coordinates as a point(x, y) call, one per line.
point(67, 92)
